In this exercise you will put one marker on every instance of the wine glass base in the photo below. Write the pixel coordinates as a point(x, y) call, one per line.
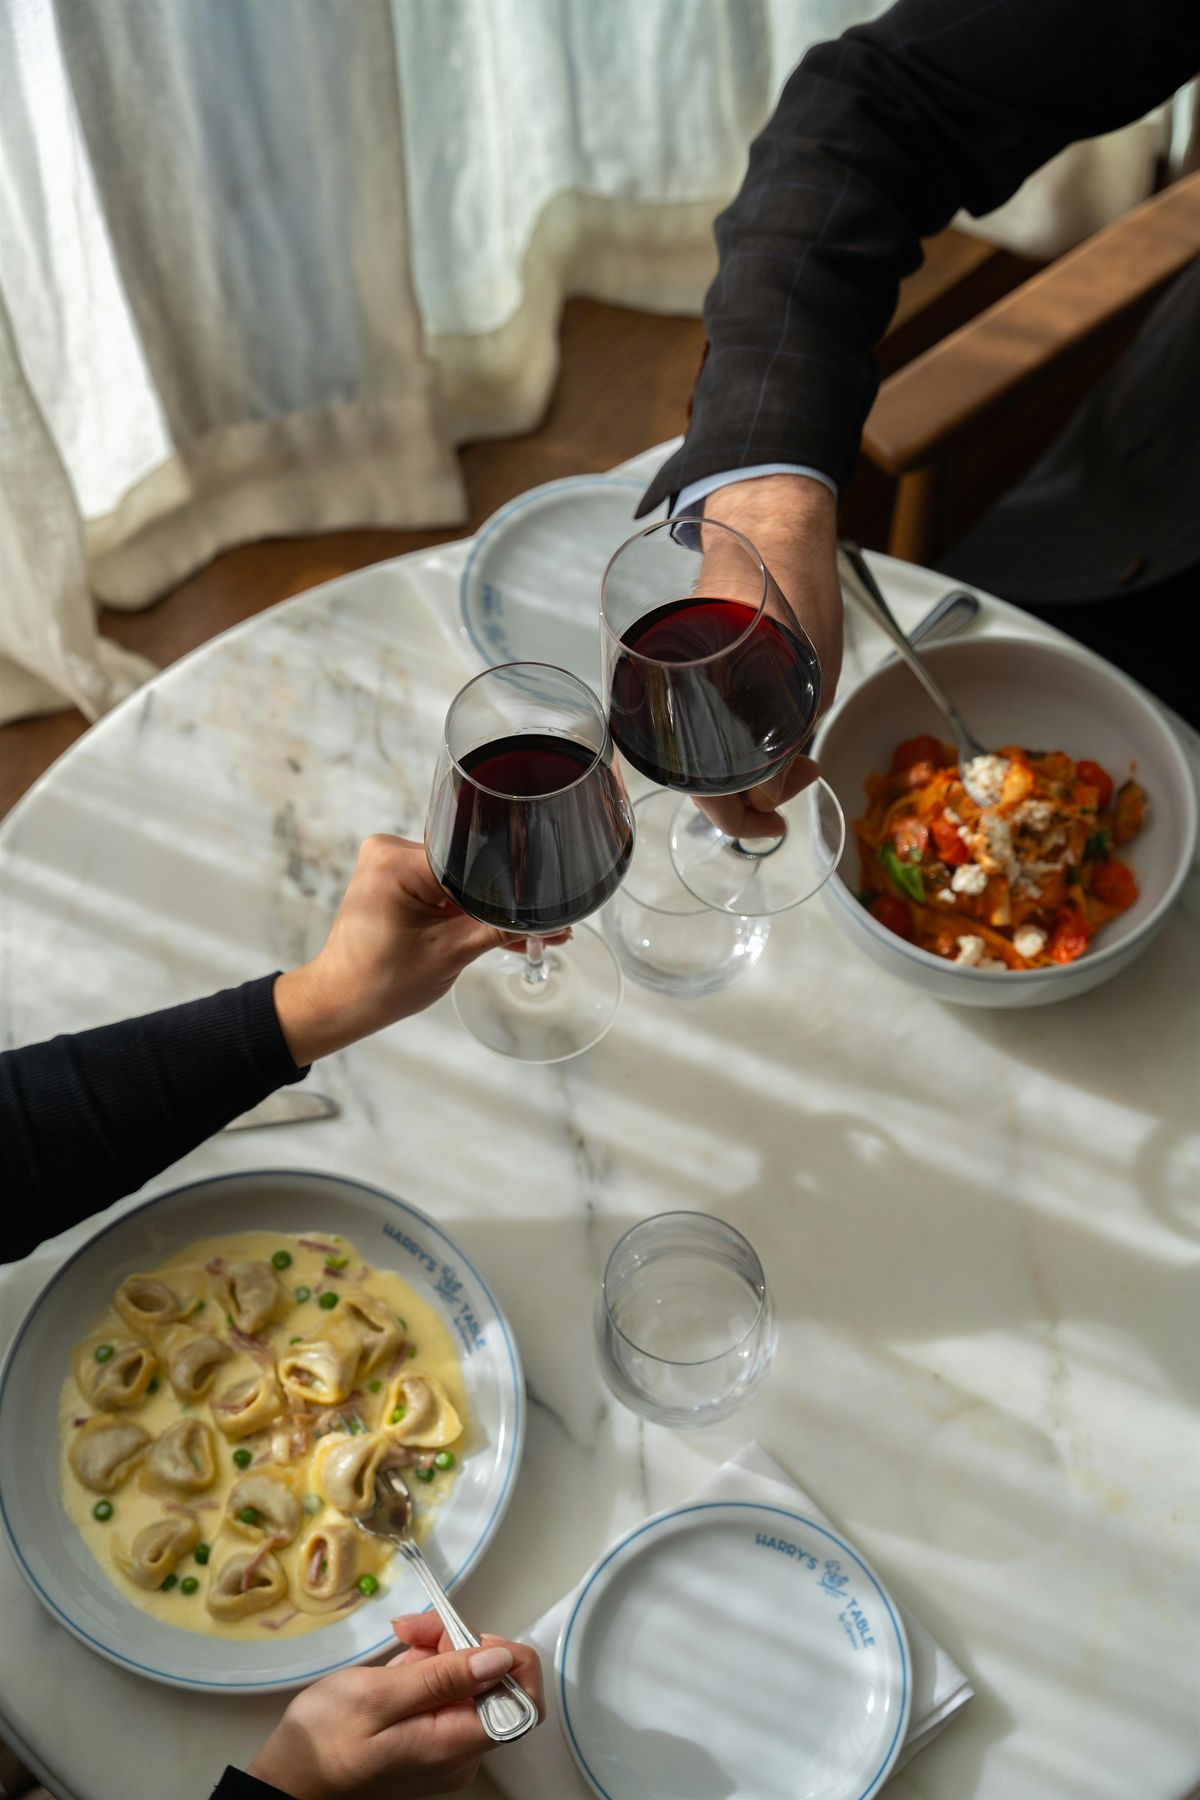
point(761, 876)
point(543, 1021)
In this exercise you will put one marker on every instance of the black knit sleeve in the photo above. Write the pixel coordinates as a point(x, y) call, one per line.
point(235, 1784)
point(87, 1118)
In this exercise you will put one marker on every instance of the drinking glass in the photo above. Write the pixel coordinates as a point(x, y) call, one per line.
point(530, 829)
point(685, 1330)
point(713, 687)
point(664, 937)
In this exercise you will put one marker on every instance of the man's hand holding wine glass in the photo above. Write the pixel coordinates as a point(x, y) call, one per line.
point(792, 521)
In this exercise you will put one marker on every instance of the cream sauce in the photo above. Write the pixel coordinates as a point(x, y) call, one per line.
point(430, 1351)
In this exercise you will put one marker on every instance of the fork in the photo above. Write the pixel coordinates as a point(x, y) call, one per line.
point(505, 1711)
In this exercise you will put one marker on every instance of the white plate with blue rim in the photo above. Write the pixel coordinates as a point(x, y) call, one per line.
point(731, 1650)
point(393, 1235)
point(530, 591)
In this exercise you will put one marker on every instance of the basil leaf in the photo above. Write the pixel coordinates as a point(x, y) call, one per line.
point(1097, 846)
point(908, 879)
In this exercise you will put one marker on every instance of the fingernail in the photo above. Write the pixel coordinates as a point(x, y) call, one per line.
point(487, 1665)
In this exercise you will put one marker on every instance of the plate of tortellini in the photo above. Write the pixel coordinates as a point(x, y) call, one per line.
point(196, 1408)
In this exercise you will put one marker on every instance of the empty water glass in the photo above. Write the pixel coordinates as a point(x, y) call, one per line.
point(685, 1329)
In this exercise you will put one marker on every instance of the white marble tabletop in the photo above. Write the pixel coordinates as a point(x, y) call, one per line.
point(978, 1227)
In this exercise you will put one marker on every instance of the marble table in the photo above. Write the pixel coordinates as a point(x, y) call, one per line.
point(979, 1227)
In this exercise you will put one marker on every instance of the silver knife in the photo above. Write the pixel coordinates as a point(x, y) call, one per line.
point(285, 1108)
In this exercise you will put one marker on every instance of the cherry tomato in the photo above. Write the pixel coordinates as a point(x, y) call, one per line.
point(1069, 938)
point(947, 842)
point(894, 914)
point(1092, 775)
point(1113, 885)
point(914, 750)
point(911, 839)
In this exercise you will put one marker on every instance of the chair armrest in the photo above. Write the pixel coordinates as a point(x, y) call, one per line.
point(971, 373)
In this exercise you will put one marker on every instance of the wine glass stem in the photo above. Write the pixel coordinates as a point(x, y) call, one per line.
point(537, 970)
point(773, 844)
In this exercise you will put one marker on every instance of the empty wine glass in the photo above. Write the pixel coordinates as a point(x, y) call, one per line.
point(713, 687)
point(685, 1329)
point(530, 829)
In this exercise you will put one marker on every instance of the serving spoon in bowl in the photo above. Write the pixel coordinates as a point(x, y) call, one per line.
point(976, 763)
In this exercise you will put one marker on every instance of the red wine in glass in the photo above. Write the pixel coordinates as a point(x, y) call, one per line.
point(711, 696)
point(533, 833)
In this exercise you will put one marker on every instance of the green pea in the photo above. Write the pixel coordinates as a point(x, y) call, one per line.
point(444, 1459)
point(336, 1263)
point(282, 1259)
point(313, 1503)
point(188, 1585)
point(202, 1552)
point(249, 1515)
point(354, 1426)
point(302, 1294)
point(167, 1583)
point(103, 1353)
point(103, 1510)
point(367, 1584)
point(242, 1458)
point(398, 1413)
point(153, 1385)
point(328, 1301)
point(375, 1386)
point(412, 1351)
point(425, 1474)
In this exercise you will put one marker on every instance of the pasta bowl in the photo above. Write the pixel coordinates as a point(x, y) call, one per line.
point(51, 1553)
point(1039, 693)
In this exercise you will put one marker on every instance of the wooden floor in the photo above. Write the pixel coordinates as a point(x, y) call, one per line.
point(624, 383)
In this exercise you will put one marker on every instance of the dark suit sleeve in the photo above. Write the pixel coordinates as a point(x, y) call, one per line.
point(88, 1118)
point(878, 139)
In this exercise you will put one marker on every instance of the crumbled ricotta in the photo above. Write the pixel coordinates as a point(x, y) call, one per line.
point(947, 894)
point(950, 816)
point(993, 844)
point(985, 777)
point(969, 878)
point(971, 954)
point(1036, 814)
point(1028, 941)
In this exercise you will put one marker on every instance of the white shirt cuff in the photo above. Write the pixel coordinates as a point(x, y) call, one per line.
point(692, 497)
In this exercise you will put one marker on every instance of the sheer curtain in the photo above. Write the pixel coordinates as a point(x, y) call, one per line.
point(263, 261)
point(207, 328)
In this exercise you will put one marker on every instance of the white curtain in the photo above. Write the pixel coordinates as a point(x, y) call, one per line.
point(262, 261)
point(207, 330)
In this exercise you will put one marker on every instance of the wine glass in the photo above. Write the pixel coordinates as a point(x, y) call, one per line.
point(530, 829)
point(713, 688)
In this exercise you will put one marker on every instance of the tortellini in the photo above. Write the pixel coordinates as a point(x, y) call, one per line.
point(184, 1457)
point(144, 1302)
point(156, 1549)
point(250, 1294)
point(248, 1405)
point(321, 1371)
point(191, 1359)
point(379, 1334)
point(119, 1378)
point(344, 1470)
point(276, 1509)
point(248, 1583)
point(428, 1419)
point(329, 1560)
point(105, 1451)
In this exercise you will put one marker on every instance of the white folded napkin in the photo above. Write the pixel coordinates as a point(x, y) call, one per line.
point(539, 1767)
